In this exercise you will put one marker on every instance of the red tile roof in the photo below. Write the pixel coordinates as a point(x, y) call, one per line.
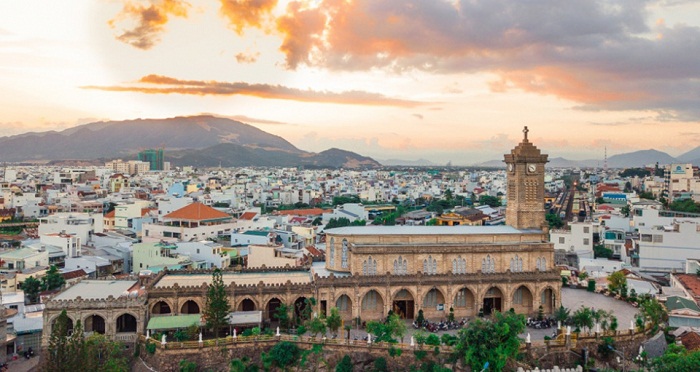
point(74, 274)
point(110, 214)
point(314, 252)
point(196, 212)
point(691, 283)
point(248, 216)
point(304, 212)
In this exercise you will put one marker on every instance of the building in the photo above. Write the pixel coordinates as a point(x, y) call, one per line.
point(82, 225)
point(666, 248)
point(154, 157)
point(192, 222)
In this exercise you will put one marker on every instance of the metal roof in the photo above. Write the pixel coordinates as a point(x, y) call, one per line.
point(174, 321)
point(245, 317)
point(96, 289)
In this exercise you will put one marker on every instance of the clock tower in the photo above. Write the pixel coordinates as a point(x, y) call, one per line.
point(525, 174)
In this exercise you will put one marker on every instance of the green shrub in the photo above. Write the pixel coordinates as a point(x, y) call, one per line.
point(150, 347)
point(187, 366)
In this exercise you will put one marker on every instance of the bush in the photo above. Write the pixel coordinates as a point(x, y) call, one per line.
point(187, 366)
point(420, 354)
point(433, 340)
point(345, 365)
point(380, 365)
point(591, 285)
point(150, 347)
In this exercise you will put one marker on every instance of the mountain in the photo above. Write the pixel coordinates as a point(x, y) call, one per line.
point(197, 140)
point(124, 138)
point(692, 156)
point(640, 159)
point(408, 163)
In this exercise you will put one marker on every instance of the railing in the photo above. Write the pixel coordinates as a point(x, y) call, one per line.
point(126, 337)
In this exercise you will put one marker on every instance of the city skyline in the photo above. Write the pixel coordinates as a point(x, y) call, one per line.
point(440, 80)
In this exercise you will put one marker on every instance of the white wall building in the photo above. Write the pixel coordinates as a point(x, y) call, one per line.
point(81, 224)
point(578, 239)
point(70, 244)
point(666, 248)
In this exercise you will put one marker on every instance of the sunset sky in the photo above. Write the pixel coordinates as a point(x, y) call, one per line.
point(435, 79)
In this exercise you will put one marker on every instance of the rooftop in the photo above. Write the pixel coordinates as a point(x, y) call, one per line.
point(427, 230)
point(96, 289)
point(254, 278)
point(197, 212)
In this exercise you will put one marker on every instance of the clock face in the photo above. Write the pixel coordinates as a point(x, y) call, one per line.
point(531, 167)
point(510, 167)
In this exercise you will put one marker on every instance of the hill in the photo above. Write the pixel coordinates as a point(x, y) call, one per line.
point(197, 140)
point(640, 159)
point(692, 156)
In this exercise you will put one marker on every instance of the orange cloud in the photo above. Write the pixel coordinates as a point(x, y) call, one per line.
point(158, 84)
point(561, 83)
point(149, 19)
point(301, 29)
point(247, 13)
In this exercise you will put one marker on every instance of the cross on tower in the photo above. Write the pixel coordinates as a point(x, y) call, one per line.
point(525, 130)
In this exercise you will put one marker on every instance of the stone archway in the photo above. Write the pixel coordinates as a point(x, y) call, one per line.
point(272, 305)
point(95, 323)
point(344, 305)
point(463, 302)
point(126, 323)
point(69, 325)
point(372, 306)
point(523, 300)
point(160, 308)
point(302, 312)
point(548, 300)
point(403, 304)
point(433, 303)
point(246, 305)
point(493, 301)
point(190, 307)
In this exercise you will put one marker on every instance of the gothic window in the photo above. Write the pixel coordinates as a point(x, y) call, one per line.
point(369, 266)
point(332, 253)
point(518, 296)
point(430, 266)
point(543, 264)
point(459, 265)
point(343, 303)
point(488, 265)
point(461, 298)
point(431, 298)
point(370, 301)
point(344, 255)
point(400, 266)
point(516, 264)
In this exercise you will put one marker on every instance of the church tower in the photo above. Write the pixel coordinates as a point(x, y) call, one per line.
point(525, 174)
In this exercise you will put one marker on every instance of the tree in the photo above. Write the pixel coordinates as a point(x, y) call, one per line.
point(562, 314)
point(494, 341)
point(284, 354)
point(616, 281)
point(491, 201)
point(216, 308)
point(396, 327)
point(554, 221)
point(333, 321)
point(677, 359)
point(32, 287)
point(282, 315)
point(583, 318)
point(102, 354)
point(625, 210)
point(651, 310)
point(316, 325)
point(61, 356)
point(600, 251)
point(345, 364)
point(53, 279)
point(420, 319)
point(380, 365)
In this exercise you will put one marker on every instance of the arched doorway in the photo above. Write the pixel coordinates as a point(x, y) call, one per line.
point(493, 301)
point(95, 323)
point(189, 307)
point(302, 309)
point(463, 303)
point(69, 326)
point(126, 323)
point(372, 306)
point(160, 307)
point(344, 305)
point(404, 304)
point(523, 300)
point(246, 305)
point(548, 301)
point(272, 307)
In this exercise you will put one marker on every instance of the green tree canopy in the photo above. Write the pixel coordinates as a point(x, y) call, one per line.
point(494, 341)
point(554, 221)
point(53, 279)
point(345, 364)
point(491, 201)
point(32, 287)
point(333, 321)
point(216, 308)
point(616, 281)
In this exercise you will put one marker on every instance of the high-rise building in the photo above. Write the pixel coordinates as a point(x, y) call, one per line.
point(154, 157)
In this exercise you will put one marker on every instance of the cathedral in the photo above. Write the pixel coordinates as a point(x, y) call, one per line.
point(368, 271)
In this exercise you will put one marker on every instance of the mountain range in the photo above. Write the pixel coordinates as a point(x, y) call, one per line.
point(627, 160)
point(196, 140)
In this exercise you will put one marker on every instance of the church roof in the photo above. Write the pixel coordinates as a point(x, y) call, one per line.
point(427, 230)
point(525, 150)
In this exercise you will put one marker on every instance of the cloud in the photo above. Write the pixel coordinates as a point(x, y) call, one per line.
point(157, 84)
point(605, 56)
point(247, 57)
point(418, 116)
point(247, 13)
point(148, 20)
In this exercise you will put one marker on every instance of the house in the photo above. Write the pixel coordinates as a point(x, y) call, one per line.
point(23, 258)
point(192, 222)
point(154, 256)
point(682, 312)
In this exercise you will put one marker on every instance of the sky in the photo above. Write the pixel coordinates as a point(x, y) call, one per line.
point(443, 80)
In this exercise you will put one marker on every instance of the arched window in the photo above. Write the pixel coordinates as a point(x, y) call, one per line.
point(343, 303)
point(516, 264)
point(344, 255)
point(371, 300)
point(331, 258)
point(488, 265)
point(400, 266)
point(369, 266)
point(459, 265)
point(461, 298)
point(430, 266)
point(518, 296)
point(542, 264)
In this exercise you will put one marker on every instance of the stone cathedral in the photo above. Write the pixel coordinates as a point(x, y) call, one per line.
point(370, 270)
